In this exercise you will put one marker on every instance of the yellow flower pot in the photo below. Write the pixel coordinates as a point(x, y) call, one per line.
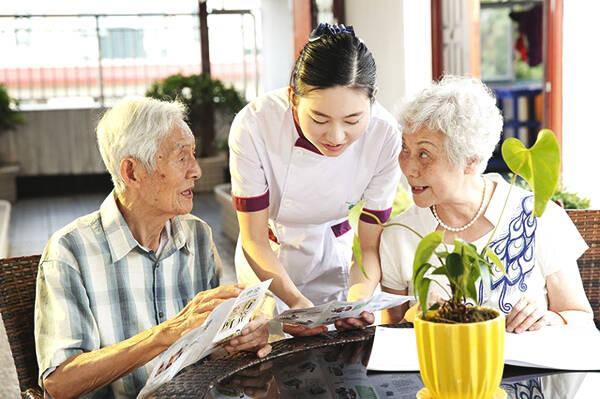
point(461, 361)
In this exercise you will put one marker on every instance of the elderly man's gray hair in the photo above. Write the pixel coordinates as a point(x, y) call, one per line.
point(463, 109)
point(135, 127)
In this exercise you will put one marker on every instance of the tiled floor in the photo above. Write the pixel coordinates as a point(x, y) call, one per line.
point(34, 220)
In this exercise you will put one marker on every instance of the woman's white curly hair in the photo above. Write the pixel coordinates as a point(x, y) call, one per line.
point(463, 109)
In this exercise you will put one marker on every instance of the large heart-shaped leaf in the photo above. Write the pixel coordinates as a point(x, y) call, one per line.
point(538, 165)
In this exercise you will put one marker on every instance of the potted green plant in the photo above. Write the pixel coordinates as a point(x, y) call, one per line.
point(10, 118)
point(461, 346)
point(211, 105)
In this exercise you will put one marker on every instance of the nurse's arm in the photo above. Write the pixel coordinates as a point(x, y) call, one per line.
point(254, 230)
point(362, 286)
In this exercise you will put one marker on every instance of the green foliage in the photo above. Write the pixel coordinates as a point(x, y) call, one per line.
point(564, 198)
point(202, 95)
point(538, 165)
point(9, 116)
point(195, 90)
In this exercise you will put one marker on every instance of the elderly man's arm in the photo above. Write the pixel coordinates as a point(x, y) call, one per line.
point(89, 371)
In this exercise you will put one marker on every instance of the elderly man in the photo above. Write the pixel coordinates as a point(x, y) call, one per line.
point(117, 287)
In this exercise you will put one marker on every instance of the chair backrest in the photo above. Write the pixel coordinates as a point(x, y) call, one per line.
point(588, 224)
point(17, 299)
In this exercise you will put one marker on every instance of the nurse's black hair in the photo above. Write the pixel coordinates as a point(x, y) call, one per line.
point(334, 56)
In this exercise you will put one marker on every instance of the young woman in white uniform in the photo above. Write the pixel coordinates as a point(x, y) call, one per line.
point(300, 157)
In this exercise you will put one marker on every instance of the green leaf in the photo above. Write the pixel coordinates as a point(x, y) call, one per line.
point(357, 252)
point(494, 258)
point(538, 165)
point(354, 214)
point(422, 288)
point(425, 250)
point(440, 271)
point(455, 266)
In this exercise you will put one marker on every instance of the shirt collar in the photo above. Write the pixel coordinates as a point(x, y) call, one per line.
point(302, 141)
point(120, 239)
point(494, 208)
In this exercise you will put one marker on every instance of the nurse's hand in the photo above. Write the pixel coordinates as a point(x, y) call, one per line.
point(351, 323)
point(302, 331)
point(253, 338)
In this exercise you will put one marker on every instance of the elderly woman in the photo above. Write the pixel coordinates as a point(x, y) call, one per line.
point(117, 287)
point(450, 131)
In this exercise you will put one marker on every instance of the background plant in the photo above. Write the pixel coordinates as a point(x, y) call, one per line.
point(10, 116)
point(202, 95)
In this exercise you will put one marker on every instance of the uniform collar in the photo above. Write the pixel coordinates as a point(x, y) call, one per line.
point(302, 141)
point(120, 239)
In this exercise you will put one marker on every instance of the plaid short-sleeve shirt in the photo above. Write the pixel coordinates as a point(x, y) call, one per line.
point(97, 286)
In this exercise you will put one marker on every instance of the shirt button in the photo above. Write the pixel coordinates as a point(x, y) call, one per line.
point(287, 203)
point(160, 314)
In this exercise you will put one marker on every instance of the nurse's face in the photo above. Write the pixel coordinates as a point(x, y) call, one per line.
point(333, 118)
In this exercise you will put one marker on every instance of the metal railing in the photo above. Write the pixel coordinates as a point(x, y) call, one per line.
point(83, 60)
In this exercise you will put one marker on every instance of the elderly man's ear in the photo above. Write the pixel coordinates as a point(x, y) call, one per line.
point(131, 171)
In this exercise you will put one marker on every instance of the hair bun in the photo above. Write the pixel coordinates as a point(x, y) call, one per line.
point(325, 29)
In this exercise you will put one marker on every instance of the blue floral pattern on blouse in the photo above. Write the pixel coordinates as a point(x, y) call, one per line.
point(515, 248)
point(529, 389)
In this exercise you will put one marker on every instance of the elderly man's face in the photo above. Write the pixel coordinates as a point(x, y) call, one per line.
point(168, 190)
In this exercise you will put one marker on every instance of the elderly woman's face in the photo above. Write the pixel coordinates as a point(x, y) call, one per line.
point(424, 161)
point(168, 189)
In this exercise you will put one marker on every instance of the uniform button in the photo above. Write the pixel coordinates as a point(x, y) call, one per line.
point(287, 203)
point(161, 314)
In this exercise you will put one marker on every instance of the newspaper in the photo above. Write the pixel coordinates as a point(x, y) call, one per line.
point(225, 322)
point(329, 312)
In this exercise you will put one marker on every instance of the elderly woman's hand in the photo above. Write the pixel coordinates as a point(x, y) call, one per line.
point(528, 315)
point(350, 323)
point(254, 338)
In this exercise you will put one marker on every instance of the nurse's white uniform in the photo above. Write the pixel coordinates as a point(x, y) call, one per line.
point(308, 194)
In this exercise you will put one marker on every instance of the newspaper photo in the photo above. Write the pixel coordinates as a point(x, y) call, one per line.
point(329, 312)
point(225, 322)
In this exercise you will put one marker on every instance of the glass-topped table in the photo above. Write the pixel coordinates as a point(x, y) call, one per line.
point(333, 365)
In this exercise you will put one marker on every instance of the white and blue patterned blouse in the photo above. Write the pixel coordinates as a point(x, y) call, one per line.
point(531, 248)
point(97, 286)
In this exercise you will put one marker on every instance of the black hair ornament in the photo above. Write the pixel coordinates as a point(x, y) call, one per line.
point(325, 29)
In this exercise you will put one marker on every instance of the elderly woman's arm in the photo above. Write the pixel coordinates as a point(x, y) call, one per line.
point(395, 314)
point(566, 300)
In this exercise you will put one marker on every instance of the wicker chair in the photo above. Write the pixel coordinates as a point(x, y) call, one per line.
point(588, 224)
point(17, 298)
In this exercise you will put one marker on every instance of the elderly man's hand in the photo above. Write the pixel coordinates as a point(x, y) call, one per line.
point(254, 338)
point(197, 311)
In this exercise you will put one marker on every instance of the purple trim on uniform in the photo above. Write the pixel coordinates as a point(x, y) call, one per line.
point(302, 141)
point(383, 215)
point(341, 228)
point(251, 204)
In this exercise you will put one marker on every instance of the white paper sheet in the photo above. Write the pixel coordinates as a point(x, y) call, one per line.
point(394, 349)
point(556, 347)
